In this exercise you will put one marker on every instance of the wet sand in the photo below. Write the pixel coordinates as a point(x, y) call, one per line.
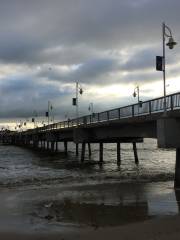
point(104, 211)
point(64, 209)
point(156, 229)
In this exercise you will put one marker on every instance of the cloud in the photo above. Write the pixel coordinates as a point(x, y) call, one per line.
point(86, 72)
point(22, 95)
point(48, 45)
point(28, 30)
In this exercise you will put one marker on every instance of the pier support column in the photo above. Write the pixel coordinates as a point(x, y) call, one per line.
point(83, 151)
point(101, 152)
point(56, 146)
point(47, 147)
point(135, 153)
point(177, 169)
point(77, 149)
point(28, 143)
point(89, 149)
point(52, 146)
point(35, 144)
point(65, 148)
point(118, 153)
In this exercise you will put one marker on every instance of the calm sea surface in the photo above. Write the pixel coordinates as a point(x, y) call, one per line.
point(46, 192)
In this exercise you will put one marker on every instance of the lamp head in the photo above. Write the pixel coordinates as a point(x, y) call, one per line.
point(171, 43)
point(81, 91)
point(134, 94)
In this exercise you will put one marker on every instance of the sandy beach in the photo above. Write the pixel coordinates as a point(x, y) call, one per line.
point(156, 229)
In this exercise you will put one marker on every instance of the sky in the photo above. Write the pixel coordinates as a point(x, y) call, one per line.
point(109, 47)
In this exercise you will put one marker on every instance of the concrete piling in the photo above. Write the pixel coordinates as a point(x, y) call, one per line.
point(65, 148)
point(56, 146)
point(135, 153)
point(83, 151)
point(118, 153)
point(47, 145)
point(89, 149)
point(52, 146)
point(101, 152)
point(77, 149)
point(177, 169)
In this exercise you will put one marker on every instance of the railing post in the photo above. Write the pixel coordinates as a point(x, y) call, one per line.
point(108, 115)
point(98, 117)
point(171, 102)
point(149, 107)
point(119, 113)
point(132, 110)
point(84, 120)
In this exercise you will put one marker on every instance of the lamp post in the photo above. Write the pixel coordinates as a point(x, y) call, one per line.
point(79, 90)
point(91, 108)
point(77, 102)
point(136, 93)
point(166, 32)
point(35, 115)
point(49, 113)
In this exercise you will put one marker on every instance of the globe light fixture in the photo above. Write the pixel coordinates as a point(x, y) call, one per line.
point(166, 33)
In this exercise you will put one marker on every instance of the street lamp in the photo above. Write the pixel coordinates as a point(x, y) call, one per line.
point(166, 33)
point(49, 112)
point(136, 93)
point(75, 102)
point(91, 108)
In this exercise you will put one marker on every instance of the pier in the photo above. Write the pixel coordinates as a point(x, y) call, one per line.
point(128, 124)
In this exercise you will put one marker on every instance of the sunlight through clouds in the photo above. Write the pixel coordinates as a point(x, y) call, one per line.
point(109, 47)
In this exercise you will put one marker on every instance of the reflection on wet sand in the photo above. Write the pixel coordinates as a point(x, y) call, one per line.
point(101, 205)
point(108, 205)
point(94, 214)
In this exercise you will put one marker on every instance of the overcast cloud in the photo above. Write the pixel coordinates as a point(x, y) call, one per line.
point(48, 45)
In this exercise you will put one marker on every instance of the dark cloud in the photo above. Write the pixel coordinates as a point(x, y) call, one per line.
point(97, 42)
point(21, 96)
point(28, 29)
point(87, 72)
point(141, 60)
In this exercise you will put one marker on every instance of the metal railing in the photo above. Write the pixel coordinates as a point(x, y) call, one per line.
point(143, 108)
